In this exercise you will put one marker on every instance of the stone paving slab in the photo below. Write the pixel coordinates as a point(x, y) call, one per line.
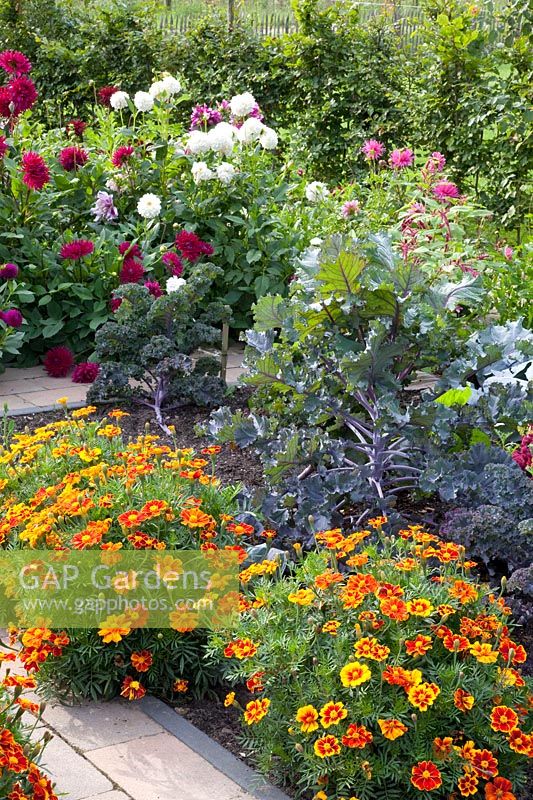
point(114, 795)
point(160, 767)
point(75, 777)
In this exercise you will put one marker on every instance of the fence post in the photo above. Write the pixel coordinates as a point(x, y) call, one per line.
point(224, 350)
point(231, 14)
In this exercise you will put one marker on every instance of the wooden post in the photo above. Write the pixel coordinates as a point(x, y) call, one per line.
point(231, 14)
point(224, 350)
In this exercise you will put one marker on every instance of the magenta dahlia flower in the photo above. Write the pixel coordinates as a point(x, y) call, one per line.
point(129, 250)
point(122, 155)
point(131, 272)
point(58, 361)
point(23, 94)
point(173, 263)
point(6, 102)
point(203, 115)
point(191, 246)
point(74, 251)
point(104, 94)
point(372, 149)
point(115, 303)
point(445, 190)
point(86, 372)
point(508, 252)
point(12, 317)
point(75, 126)
point(154, 288)
point(73, 157)
point(399, 159)
point(4, 147)
point(35, 172)
point(435, 163)
point(14, 62)
point(9, 272)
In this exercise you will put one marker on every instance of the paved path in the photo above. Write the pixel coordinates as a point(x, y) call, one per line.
point(26, 391)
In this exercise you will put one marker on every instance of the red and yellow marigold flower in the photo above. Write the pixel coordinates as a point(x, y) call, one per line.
point(357, 736)
point(327, 746)
point(503, 719)
point(420, 607)
point(455, 643)
point(195, 518)
point(484, 763)
point(331, 627)
point(354, 674)
point(394, 608)
point(499, 789)
point(468, 784)
point(332, 713)
point(132, 689)
point(369, 647)
point(181, 685)
point(464, 592)
point(442, 746)
point(255, 682)
point(255, 710)
point(423, 695)
point(425, 776)
point(511, 652)
point(131, 519)
point(483, 652)
point(229, 699)
point(463, 700)
point(418, 646)
point(392, 728)
point(241, 649)
point(142, 660)
point(521, 742)
point(307, 716)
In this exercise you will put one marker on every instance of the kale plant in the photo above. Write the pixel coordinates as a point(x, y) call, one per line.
point(145, 350)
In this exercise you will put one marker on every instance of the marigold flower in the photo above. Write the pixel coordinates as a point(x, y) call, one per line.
point(392, 728)
point(303, 597)
point(455, 643)
point(357, 736)
point(195, 518)
point(442, 746)
point(423, 695)
point(462, 700)
point(180, 685)
point(418, 646)
point(255, 710)
point(394, 608)
point(499, 789)
point(327, 746)
point(354, 674)
point(420, 607)
point(331, 627)
point(255, 682)
point(467, 784)
point(307, 716)
point(503, 719)
point(464, 592)
point(511, 652)
point(425, 776)
point(332, 713)
point(521, 742)
point(132, 689)
point(142, 660)
point(484, 763)
point(229, 699)
point(484, 653)
point(398, 676)
point(114, 628)
point(241, 649)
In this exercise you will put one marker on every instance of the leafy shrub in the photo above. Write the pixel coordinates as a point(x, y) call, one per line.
point(12, 291)
point(369, 667)
point(49, 476)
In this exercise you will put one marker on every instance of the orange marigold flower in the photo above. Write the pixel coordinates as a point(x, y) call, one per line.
point(331, 627)
point(180, 685)
point(195, 518)
point(484, 763)
point(392, 728)
point(499, 789)
point(369, 647)
point(398, 676)
point(467, 784)
point(423, 695)
point(183, 621)
point(394, 608)
point(332, 539)
point(420, 607)
point(114, 628)
point(332, 713)
point(303, 597)
point(307, 716)
point(356, 736)
point(377, 522)
point(354, 674)
point(229, 699)
point(419, 645)
point(464, 592)
point(142, 660)
point(462, 700)
point(503, 719)
point(241, 649)
point(521, 742)
point(511, 652)
point(255, 682)
point(240, 528)
point(132, 689)
point(425, 776)
point(442, 747)
point(255, 710)
point(483, 652)
point(327, 746)
point(455, 643)
point(131, 519)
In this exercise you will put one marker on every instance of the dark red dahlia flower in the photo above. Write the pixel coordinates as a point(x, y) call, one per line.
point(86, 372)
point(58, 361)
point(75, 126)
point(36, 173)
point(6, 100)
point(9, 272)
point(79, 248)
point(115, 303)
point(154, 288)
point(191, 246)
point(14, 62)
point(23, 94)
point(104, 94)
point(131, 272)
point(73, 157)
point(174, 263)
point(12, 317)
point(130, 250)
point(122, 155)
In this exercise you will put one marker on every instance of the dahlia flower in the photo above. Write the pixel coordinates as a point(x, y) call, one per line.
point(154, 288)
point(58, 361)
point(157, 88)
point(23, 94)
point(198, 142)
point(6, 102)
point(14, 62)
point(508, 252)
point(445, 190)
point(74, 251)
point(203, 115)
point(86, 372)
point(131, 271)
point(122, 155)
point(226, 172)
point(143, 101)
point(372, 149)
point(105, 94)
point(130, 250)
point(115, 303)
point(4, 147)
point(201, 172)
point(401, 158)
point(268, 138)
point(242, 104)
point(173, 263)
point(149, 206)
point(104, 209)
point(75, 126)
point(73, 157)
point(191, 246)
point(171, 84)
point(316, 191)
point(12, 317)
point(9, 272)
point(435, 163)
point(250, 130)
point(220, 138)
point(174, 283)
point(119, 100)
point(35, 172)
point(257, 113)
point(350, 208)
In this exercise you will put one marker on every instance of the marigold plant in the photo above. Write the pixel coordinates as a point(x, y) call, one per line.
point(76, 484)
point(385, 672)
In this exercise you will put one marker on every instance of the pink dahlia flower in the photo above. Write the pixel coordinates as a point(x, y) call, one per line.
point(23, 94)
point(75, 126)
point(12, 317)
point(9, 272)
point(154, 288)
point(129, 250)
point(79, 248)
point(6, 102)
point(35, 172)
point(115, 303)
point(372, 149)
point(122, 155)
point(173, 263)
point(58, 362)
point(191, 246)
point(14, 62)
point(508, 252)
point(73, 157)
point(399, 159)
point(435, 163)
point(445, 190)
point(86, 372)
point(350, 209)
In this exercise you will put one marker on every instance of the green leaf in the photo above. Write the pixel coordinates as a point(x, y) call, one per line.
point(269, 312)
point(455, 397)
point(341, 275)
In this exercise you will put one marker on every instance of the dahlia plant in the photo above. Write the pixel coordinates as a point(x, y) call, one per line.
point(12, 291)
point(77, 484)
point(380, 668)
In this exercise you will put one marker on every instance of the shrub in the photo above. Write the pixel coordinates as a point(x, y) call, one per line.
point(72, 482)
point(369, 667)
